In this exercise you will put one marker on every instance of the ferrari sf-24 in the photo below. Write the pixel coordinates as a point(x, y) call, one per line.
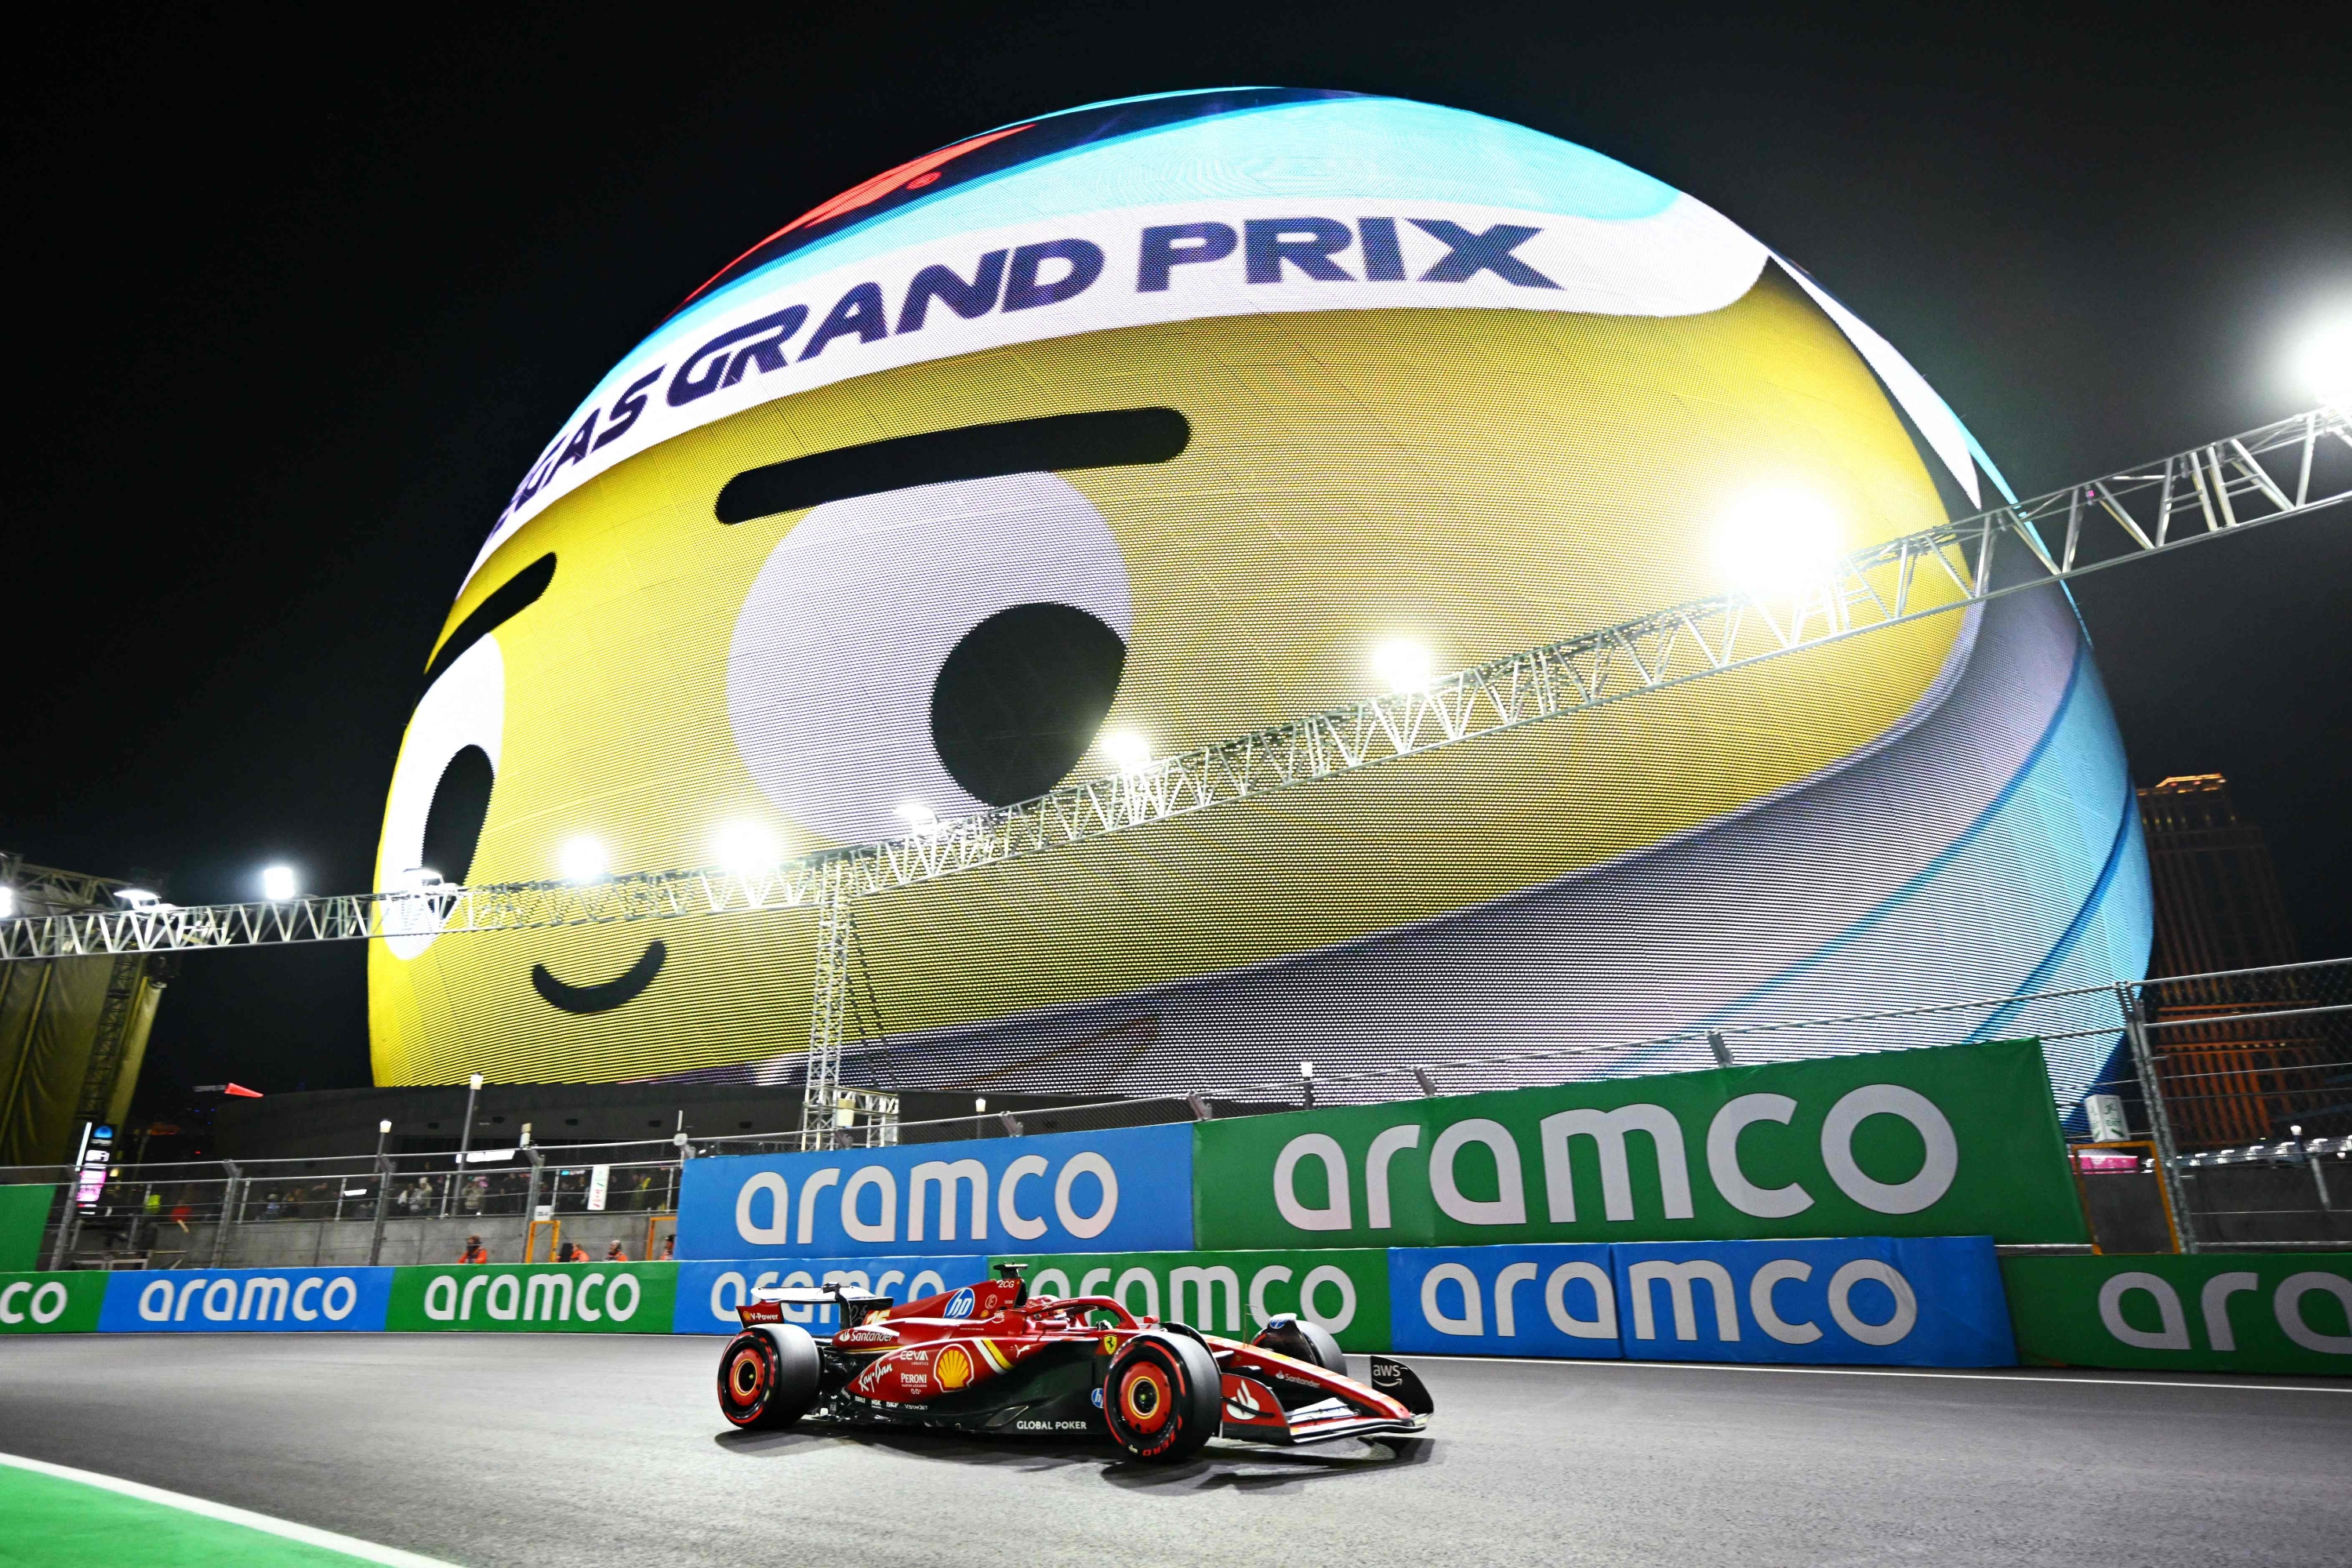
point(993, 1359)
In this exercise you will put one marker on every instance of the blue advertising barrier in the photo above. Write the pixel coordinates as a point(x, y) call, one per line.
point(1123, 1190)
point(709, 1292)
point(1926, 1301)
point(1536, 1301)
point(246, 1300)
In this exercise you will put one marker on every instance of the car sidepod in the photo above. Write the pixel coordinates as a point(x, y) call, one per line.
point(980, 1383)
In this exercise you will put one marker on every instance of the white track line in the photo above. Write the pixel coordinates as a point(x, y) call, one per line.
point(2056, 1379)
point(308, 1535)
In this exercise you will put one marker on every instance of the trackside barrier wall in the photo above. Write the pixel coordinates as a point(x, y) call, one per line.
point(586, 1298)
point(1108, 1191)
point(708, 1293)
point(1909, 1301)
point(246, 1301)
point(2235, 1312)
point(1894, 1302)
point(65, 1303)
point(1834, 1302)
point(1956, 1141)
point(1345, 1290)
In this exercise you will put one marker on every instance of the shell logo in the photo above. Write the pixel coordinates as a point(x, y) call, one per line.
point(953, 1369)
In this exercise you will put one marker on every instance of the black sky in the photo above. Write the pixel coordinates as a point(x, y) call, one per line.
point(295, 309)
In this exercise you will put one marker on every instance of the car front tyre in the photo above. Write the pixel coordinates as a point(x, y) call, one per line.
point(1162, 1397)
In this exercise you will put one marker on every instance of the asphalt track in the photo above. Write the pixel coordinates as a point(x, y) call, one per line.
point(548, 1449)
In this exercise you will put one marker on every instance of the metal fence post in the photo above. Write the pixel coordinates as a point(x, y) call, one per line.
point(465, 1146)
point(383, 1195)
point(230, 1195)
point(2159, 1120)
point(531, 1198)
point(68, 1224)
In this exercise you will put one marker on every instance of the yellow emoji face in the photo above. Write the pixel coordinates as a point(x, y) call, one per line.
point(1043, 458)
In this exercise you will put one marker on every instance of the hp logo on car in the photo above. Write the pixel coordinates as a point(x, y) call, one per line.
point(959, 1304)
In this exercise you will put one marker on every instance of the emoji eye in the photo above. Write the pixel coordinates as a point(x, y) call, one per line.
point(1020, 697)
point(441, 790)
point(939, 647)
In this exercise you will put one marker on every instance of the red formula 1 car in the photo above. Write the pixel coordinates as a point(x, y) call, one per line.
point(991, 1358)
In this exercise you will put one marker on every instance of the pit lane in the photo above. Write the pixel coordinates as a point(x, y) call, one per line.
point(552, 1449)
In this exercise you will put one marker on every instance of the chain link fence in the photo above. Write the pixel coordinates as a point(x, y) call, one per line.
point(2218, 1114)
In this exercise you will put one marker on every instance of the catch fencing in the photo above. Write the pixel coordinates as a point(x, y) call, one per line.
point(2218, 1117)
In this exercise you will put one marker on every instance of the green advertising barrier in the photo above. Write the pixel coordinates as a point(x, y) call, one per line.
point(2281, 1311)
point(24, 1215)
point(1231, 1293)
point(66, 1303)
point(548, 1297)
point(1956, 1141)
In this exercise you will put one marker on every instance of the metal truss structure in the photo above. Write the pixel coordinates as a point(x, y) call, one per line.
point(2290, 469)
point(44, 889)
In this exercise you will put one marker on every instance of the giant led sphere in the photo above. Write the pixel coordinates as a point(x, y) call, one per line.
point(1119, 432)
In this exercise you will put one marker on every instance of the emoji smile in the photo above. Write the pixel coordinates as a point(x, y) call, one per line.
point(601, 998)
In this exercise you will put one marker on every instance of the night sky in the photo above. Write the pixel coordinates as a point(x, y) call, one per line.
point(295, 311)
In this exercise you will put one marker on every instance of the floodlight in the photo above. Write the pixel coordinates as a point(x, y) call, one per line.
point(277, 883)
point(1778, 539)
point(420, 879)
point(745, 848)
point(136, 898)
point(1402, 665)
point(584, 859)
point(7, 901)
point(917, 816)
point(1128, 751)
point(2324, 363)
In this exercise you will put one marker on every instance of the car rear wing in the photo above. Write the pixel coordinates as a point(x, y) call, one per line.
point(767, 1305)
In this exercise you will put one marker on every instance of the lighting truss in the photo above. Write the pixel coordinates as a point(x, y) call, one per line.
point(2290, 469)
point(44, 887)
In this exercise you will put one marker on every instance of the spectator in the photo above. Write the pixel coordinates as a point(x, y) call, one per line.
point(475, 1252)
point(573, 1253)
point(670, 1246)
point(616, 1253)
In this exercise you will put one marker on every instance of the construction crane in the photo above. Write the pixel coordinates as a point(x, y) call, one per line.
point(2289, 468)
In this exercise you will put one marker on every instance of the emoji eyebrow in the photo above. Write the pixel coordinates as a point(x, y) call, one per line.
point(1110, 438)
point(509, 599)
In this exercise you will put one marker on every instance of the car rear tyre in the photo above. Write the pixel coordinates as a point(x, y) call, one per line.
point(1164, 1396)
point(768, 1377)
point(1302, 1340)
